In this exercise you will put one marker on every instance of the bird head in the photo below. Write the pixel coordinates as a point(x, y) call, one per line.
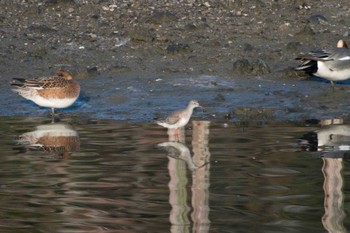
point(65, 74)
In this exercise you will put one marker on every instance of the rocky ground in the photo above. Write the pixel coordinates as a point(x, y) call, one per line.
point(104, 42)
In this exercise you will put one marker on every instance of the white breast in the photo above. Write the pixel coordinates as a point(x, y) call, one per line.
point(53, 103)
point(324, 71)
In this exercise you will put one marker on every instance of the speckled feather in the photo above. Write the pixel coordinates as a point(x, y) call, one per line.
point(58, 86)
point(58, 91)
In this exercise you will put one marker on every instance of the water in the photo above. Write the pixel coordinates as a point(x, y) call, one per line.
point(115, 176)
point(121, 97)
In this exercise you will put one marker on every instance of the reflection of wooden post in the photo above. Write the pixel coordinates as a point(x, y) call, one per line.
point(200, 177)
point(333, 202)
point(178, 216)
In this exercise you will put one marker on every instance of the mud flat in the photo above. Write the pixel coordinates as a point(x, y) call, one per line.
point(133, 58)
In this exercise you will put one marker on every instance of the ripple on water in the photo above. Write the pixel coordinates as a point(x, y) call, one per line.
point(234, 179)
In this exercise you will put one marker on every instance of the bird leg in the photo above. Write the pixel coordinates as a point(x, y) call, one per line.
point(174, 134)
point(54, 115)
point(332, 85)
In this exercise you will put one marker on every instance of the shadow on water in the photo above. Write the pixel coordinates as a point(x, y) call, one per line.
point(116, 176)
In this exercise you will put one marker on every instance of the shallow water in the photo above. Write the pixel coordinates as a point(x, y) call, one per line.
point(147, 97)
point(116, 176)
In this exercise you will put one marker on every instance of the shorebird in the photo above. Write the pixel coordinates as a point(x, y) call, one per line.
point(331, 64)
point(179, 118)
point(58, 91)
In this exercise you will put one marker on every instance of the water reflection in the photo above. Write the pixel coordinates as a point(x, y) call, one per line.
point(176, 135)
point(331, 140)
point(334, 215)
point(56, 138)
point(331, 143)
point(200, 177)
point(180, 155)
point(178, 150)
point(119, 182)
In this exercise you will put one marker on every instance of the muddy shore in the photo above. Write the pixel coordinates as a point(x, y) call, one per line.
point(136, 60)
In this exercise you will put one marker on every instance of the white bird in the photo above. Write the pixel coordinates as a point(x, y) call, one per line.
point(332, 64)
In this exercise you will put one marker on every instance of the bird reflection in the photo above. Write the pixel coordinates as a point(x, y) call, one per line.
point(331, 143)
point(57, 138)
point(199, 165)
point(178, 150)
